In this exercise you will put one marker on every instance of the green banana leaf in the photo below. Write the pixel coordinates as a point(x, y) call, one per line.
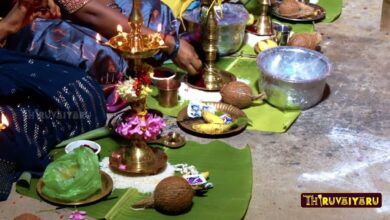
point(264, 117)
point(90, 135)
point(230, 172)
point(333, 9)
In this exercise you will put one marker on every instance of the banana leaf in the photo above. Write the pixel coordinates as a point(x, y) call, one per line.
point(90, 135)
point(264, 117)
point(230, 172)
point(333, 9)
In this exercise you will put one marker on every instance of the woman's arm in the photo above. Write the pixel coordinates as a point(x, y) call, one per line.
point(15, 19)
point(96, 15)
point(22, 13)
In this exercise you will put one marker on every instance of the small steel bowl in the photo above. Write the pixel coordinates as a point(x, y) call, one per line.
point(293, 77)
point(95, 147)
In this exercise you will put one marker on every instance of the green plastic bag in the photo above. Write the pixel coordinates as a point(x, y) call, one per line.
point(73, 177)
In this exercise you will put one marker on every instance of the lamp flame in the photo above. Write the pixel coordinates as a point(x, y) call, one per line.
point(4, 122)
point(98, 38)
point(159, 27)
point(119, 28)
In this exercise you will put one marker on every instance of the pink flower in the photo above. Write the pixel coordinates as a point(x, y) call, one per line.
point(77, 215)
point(122, 166)
point(131, 126)
point(148, 128)
point(153, 126)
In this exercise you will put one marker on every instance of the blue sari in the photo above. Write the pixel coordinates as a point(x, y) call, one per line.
point(45, 102)
point(66, 41)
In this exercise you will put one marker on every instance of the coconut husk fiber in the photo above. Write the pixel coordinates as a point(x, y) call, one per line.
point(295, 9)
point(306, 40)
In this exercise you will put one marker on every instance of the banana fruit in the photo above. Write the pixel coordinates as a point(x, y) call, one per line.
point(267, 44)
point(205, 174)
point(251, 20)
point(211, 118)
point(206, 128)
point(214, 124)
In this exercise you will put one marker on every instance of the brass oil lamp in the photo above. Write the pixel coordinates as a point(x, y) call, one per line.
point(138, 159)
point(212, 78)
point(134, 45)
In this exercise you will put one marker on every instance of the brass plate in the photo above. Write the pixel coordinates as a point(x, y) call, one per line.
point(106, 189)
point(172, 140)
point(186, 122)
point(139, 169)
point(197, 80)
point(320, 16)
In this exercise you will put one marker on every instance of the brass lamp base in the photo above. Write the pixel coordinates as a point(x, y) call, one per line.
point(262, 27)
point(212, 78)
point(209, 83)
point(138, 160)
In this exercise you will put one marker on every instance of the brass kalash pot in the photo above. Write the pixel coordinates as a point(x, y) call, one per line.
point(212, 78)
point(138, 158)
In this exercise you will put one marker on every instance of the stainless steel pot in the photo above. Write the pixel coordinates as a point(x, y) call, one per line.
point(231, 31)
point(293, 77)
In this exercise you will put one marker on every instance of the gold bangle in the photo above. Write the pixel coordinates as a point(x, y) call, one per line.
point(3, 42)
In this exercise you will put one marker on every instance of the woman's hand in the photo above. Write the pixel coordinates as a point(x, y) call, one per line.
point(47, 9)
point(25, 11)
point(187, 58)
point(55, 11)
point(20, 14)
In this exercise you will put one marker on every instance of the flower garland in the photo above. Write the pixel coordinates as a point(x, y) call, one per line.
point(135, 89)
point(141, 123)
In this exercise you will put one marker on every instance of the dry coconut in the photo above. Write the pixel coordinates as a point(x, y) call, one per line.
point(295, 9)
point(172, 196)
point(307, 40)
point(238, 94)
point(27, 216)
point(289, 7)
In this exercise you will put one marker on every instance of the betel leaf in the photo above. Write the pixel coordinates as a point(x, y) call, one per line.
point(219, 114)
point(241, 121)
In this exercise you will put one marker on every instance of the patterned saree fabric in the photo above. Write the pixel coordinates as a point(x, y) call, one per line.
point(45, 102)
point(66, 41)
point(71, 6)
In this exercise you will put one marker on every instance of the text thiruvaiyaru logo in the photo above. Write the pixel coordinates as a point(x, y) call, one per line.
point(341, 200)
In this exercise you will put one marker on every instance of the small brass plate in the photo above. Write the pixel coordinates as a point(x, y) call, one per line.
point(138, 168)
point(106, 189)
point(172, 140)
point(319, 16)
point(186, 122)
point(198, 83)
